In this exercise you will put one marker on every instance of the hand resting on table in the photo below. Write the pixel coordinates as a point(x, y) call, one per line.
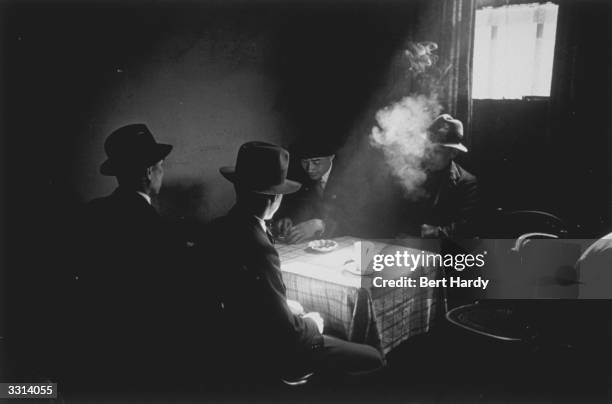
point(295, 307)
point(316, 317)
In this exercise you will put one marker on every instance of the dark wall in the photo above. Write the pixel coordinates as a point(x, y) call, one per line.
point(581, 97)
point(205, 77)
point(512, 154)
point(556, 155)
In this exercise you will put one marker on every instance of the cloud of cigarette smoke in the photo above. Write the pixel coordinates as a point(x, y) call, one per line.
point(401, 130)
point(421, 56)
point(401, 133)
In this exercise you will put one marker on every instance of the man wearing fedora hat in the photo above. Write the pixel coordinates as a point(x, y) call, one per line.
point(127, 218)
point(313, 211)
point(122, 280)
point(262, 330)
point(451, 205)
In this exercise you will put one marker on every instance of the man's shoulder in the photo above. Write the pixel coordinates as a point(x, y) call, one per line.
point(100, 201)
point(463, 175)
point(130, 207)
point(97, 205)
point(237, 228)
point(236, 240)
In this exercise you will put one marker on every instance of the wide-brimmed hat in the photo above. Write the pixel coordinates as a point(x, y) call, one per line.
point(448, 132)
point(261, 168)
point(132, 147)
point(312, 148)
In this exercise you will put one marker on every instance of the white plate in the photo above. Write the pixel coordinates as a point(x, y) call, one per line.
point(323, 246)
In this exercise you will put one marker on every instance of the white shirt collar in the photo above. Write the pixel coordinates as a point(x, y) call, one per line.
point(147, 197)
point(262, 223)
point(325, 176)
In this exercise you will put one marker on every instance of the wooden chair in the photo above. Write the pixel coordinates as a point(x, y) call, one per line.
point(506, 320)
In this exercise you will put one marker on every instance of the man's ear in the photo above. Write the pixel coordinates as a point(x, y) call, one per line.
point(331, 158)
point(149, 173)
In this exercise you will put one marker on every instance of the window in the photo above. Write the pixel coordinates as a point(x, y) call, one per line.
point(513, 51)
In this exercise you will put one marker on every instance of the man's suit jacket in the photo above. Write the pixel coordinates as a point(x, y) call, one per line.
point(123, 292)
point(451, 204)
point(245, 272)
point(130, 240)
point(311, 203)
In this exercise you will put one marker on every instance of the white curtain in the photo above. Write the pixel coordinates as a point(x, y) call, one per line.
point(513, 51)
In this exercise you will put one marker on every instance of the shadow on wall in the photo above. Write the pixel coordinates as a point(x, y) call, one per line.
point(180, 200)
point(204, 78)
point(203, 92)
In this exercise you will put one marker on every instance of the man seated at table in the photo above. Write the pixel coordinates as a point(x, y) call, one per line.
point(450, 207)
point(124, 306)
point(310, 212)
point(260, 329)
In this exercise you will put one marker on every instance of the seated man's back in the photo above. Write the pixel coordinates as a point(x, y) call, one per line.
point(121, 311)
point(261, 333)
point(257, 325)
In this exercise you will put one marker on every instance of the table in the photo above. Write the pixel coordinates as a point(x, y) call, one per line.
point(354, 310)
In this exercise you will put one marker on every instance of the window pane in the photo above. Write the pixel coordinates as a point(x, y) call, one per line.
point(513, 50)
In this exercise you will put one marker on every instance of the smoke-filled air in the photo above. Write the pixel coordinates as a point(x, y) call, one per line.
point(401, 130)
point(401, 133)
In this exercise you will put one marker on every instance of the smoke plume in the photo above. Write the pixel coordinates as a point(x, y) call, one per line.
point(401, 133)
point(401, 130)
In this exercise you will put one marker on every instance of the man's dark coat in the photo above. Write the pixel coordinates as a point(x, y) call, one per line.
point(451, 204)
point(257, 322)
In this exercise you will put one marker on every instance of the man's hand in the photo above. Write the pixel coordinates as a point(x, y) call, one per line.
point(316, 317)
point(295, 307)
point(305, 231)
point(429, 231)
point(283, 226)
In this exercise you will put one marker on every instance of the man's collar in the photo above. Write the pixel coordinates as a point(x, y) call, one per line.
point(325, 176)
point(453, 173)
point(147, 197)
point(262, 223)
point(238, 211)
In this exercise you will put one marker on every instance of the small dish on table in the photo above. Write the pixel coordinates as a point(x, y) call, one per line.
point(322, 246)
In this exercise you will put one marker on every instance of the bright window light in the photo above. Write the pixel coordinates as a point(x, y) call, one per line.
point(513, 51)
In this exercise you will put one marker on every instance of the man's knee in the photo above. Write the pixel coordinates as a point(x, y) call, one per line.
point(373, 358)
point(352, 356)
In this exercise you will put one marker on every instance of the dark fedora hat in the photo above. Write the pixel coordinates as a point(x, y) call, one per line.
point(262, 168)
point(132, 147)
point(311, 148)
point(448, 132)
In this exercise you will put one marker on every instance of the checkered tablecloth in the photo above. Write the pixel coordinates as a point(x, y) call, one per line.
point(355, 310)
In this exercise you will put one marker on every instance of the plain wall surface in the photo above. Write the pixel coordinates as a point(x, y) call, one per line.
point(202, 104)
point(203, 76)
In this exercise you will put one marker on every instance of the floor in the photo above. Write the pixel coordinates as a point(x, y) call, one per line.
point(448, 365)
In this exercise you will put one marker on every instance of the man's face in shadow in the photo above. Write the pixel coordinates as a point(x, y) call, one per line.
point(273, 207)
point(155, 175)
point(439, 157)
point(316, 167)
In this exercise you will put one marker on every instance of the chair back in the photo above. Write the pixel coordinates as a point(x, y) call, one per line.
point(513, 224)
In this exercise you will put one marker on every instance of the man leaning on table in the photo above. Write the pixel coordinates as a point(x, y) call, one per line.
point(261, 329)
point(310, 212)
point(451, 205)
